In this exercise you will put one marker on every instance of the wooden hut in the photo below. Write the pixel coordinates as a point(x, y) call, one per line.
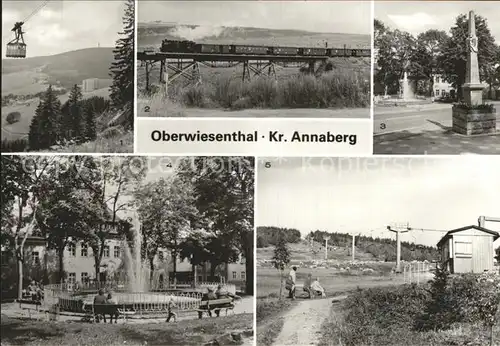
point(468, 250)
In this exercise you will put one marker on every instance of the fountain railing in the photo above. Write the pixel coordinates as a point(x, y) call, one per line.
point(79, 298)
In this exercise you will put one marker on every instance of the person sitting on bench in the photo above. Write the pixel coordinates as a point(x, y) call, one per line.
point(317, 289)
point(99, 300)
point(307, 286)
point(210, 295)
point(222, 293)
point(113, 311)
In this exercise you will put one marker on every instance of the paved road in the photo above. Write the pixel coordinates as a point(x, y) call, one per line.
point(413, 119)
point(426, 130)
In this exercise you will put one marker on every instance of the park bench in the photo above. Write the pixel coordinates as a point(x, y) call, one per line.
point(114, 310)
point(215, 305)
point(29, 305)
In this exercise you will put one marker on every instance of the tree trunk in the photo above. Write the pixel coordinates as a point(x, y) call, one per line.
point(151, 271)
point(248, 253)
point(20, 276)
point(60, 254)
point(97, 266)
point(194, 275)
point(174, 258)
point(281, 283)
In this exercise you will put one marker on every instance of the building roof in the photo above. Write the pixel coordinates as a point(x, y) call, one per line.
point(482, 229)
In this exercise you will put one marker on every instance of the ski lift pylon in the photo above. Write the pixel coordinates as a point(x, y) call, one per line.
point(17, 48)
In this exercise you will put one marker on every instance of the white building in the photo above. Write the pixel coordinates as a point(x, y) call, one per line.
point(441, 88)
point(79, 265)
point(90, 84)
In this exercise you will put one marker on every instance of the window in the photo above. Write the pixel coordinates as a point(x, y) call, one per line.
point(106, 251)
point(71, 278)
point(35, 257)
point(438, 79)
point(242, 275)
point(443, 92)
point(116, 251)
point(234, 275)
point(160, 255)
point(84, 250)
point(85, 277)
point(463, 249)
point(72, 249)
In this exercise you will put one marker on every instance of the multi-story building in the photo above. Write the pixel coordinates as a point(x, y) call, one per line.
point(442, 88)
point(41, 264)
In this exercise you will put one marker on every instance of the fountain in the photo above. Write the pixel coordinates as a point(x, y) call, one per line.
point(137, 271)
point(407, 93)
point(136, 295)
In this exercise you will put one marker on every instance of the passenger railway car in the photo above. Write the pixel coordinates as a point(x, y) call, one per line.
point(284, 50)
point(205, 48)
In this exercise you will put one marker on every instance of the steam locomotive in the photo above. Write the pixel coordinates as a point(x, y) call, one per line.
point(169, 46)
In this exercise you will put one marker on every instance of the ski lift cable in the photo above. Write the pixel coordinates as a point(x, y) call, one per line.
point(29, 16)
point(36, 10)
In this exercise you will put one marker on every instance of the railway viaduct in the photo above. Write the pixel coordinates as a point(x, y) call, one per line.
point(188, 64)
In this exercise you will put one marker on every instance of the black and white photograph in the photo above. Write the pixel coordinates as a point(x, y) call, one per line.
point(68, 76)
point(378, 251)
point(127, 250)
point(308, 59)
point(436, 78)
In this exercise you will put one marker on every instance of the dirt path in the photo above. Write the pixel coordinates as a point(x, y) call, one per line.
point(302, 323)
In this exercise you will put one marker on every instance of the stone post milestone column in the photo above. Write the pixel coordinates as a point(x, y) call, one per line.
point(473, 118)
point(473, 89)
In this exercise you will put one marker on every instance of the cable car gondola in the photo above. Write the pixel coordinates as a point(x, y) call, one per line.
point(17, 48)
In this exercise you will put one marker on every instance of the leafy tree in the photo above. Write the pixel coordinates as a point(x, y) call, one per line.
point(44, 128)
point(427, 55)
point(497, 257)
point(167, 211)
point(453, 59)
point(224, 191)
point(112, 181)
point(122, 69)
point(395, 55)
point(21, 193)
point(281, 257)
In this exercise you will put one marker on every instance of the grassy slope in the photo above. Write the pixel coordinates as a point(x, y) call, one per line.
point(21, 128)
point(192, 332)
point(68, 68)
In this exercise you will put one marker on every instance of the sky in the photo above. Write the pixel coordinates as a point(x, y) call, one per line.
point(358, 195)
point(418, 16)
point(62, 26)
point(329, 16)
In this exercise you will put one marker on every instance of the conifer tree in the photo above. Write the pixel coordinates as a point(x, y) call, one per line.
point(122, 69)
point(75, 112)
point(90, 125)
point(45, 125)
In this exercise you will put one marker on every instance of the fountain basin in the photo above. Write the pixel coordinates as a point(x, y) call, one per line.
point(143, 302)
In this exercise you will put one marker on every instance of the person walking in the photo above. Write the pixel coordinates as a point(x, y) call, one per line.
point(291, 282)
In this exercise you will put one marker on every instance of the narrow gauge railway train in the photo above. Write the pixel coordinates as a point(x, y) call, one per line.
point(193, 47)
